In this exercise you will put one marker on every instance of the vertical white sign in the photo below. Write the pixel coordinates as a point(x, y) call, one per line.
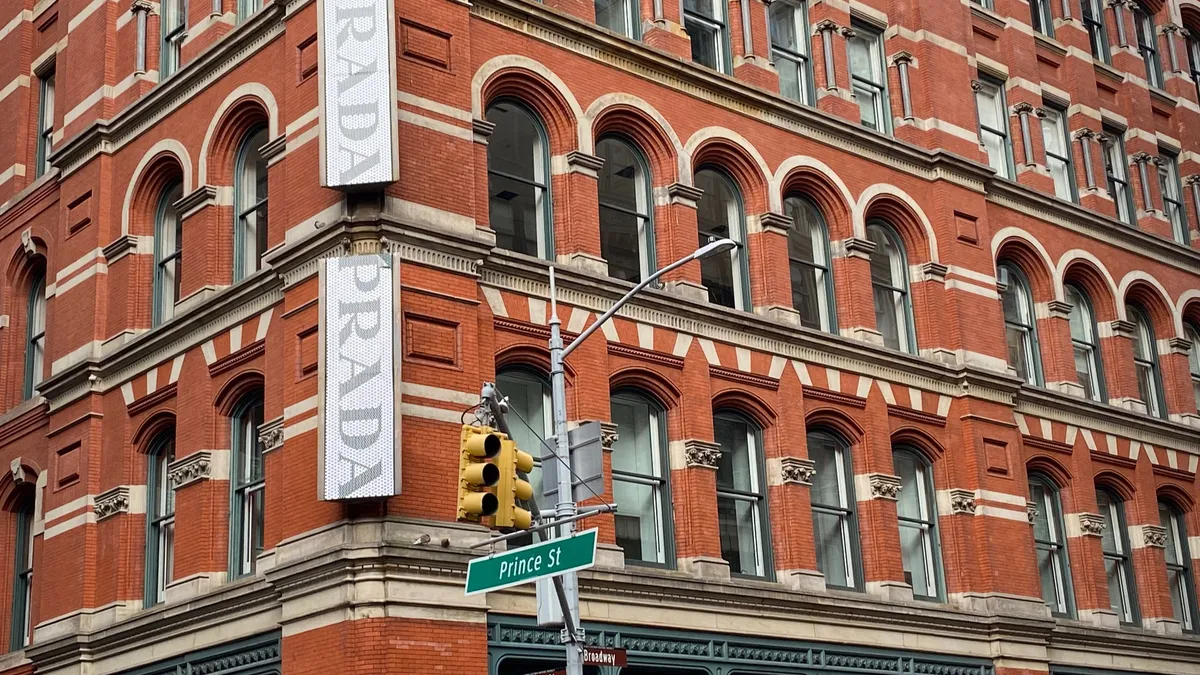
point(359, 374)
point(356, 72)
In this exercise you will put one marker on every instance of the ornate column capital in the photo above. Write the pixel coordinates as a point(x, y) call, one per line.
point(1041, 113)
point(977, 85)
point(701, 454)
point(1192, 179)
point(884, 486)
point(826, 25)
point(797, 470)
point(187, 470)
point(1141, 156)
point(1154, 536)
point(608, 436)
point(270, 434)
point(962, 501)
point(905, 57)
point(1083, 133)
point(1091, 525)
point(1022, 108)
point(140, 6)
point(1031, 511)
point(111, 502)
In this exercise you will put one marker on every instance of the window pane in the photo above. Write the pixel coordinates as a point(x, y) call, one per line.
point(706, 43)
point(166, 555)
point(908, 503)
point(915, 558)
point(637, 521)
point(1083, 371)
point(867, 107)
point(1048, 572)
point(515, 214)
point(1115, 576)
point(861, 64)
point(791, 78)
point(715, 215)
point(830, 533)
point(886, 318)
point(623, 210)
point(634, 450)
point(783, 26)
point(616, 16)
point(516, 179)
point(736, 521)
point(827, 463)
point(734, 469)
point(529, 399)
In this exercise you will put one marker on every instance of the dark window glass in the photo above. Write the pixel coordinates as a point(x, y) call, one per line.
point(626, 235)
point(517, 181)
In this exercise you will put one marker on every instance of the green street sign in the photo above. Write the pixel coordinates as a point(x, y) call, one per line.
point(547, 559)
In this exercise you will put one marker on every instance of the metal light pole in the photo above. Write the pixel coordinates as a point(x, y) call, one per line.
point(565, 508)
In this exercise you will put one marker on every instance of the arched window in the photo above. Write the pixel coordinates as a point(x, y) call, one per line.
point(1118, 565)
point(250, 199)
point(1084, 344)
point(1020, 328)
point(1179, 566)
point(1145, 361)
point(639, 475)
point(35, 335)
point(626, 230)
point(22, 574)
point(915, 507)
point(719, 216)
point(835, 526)
point(1147, 43)
point(1193, 334)
point(741, 495)
point(1051, 544)
point(808, 257)
point(246, 514)
point(518, 180)
point(160, 503)
point(168, 254)
point(889, 282)
point(530, 421)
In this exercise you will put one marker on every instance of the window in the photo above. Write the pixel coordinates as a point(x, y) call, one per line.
point(160, 537)
point(168, 254)
point(789, 49)
point(889, 283)
point(518, 184)
point(22, 575)
point(1168, 181)
point(704, 21)
point(246, 530)
point(993, 126)
point(639, 479)
point(45, 122)
point(1179, 566)
point(1193, 50)
point(918, 525)
point(1115, 170)
point(868, 77)
point(1093, 22)
point(835, 528)
point(250, 196)
point(1084, 344)
point(1118, 566)
point(173, 27)
point(247, 8)
point(1019, 324)
point(35, 335)
point(808, 257)
point(1058, 153)
point(626, 230)
point(1147, 41)
point(1193, 334)
point(1145, 362)
point(619, 16)
point(528, 395)
point(1051, 546)
point(741, 495)
point(1041, 17)
point(986, 4)
point(719, 215)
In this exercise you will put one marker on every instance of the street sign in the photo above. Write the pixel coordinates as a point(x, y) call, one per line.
point(596, 656)
point(547, 559)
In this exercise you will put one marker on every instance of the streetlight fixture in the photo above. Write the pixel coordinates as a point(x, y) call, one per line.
point(565, 508)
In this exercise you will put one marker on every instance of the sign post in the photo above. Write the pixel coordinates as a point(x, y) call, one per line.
point(530, 563)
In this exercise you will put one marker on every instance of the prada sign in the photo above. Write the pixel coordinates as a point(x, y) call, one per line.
point(356, 57)
point(358, 375)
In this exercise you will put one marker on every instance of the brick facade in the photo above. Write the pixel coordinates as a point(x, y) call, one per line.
point(357, 586)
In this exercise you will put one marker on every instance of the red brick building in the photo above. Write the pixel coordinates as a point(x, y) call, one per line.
point(937, 414)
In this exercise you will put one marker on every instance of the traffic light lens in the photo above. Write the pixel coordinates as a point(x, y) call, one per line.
point(484, 445)
point(482, 475)
point(480, 503)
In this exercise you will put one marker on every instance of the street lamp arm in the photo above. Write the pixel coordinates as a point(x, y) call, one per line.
point(625, 299)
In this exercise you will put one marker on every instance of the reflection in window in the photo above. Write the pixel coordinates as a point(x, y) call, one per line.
point(741, 496)
point(719, 216)
point(868, 77)
point(993, 125)
point(835, 532)
point(160, 539)
point(705, 23)
point(639, 478)
point(1168, 182)
point(789, 49)
point(1147, 43)
point(518, 186)
point(246, 530)
point(22, 594)
point(808, 257)
point(250, 236)
point(1145, 362)
point(1115, 171)
point(1118, 566)
point(1193, 334)
point(889, 284)
point(1058, 153)
point(168, 254)
point(1179, 566)
point(1084, 344)
point(35, 335)
point(528, 395)
point(1019, 328)
point(619, 16)
point(626, 236)
point(1093, 21)
point(918, 525)
point(1050, 542)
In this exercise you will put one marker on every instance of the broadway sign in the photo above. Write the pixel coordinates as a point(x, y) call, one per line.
point(356, 53)
point(358, 378)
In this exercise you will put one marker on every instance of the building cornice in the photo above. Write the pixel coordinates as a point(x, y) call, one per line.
point(1109, 419)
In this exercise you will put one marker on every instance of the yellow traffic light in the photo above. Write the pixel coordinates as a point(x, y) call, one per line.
point(512, 487)
point(477, 476)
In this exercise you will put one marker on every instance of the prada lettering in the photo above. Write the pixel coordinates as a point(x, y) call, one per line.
point(359, 430)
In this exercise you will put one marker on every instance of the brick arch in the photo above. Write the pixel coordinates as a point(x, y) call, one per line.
point(161, 152)
point(651, 383)
point(832, 419)
point(630, 117)
point(146, 190)
point(1173, 494)
point(894, 206)
point(1189, 14)
point(1152, 6)
point(556, 114)
point(745, 403)
point(1143, 290)
point(1051, 468)
point(920, 441)
point(242, 113)
point(10, 490)
point(811, 179)
point(720, 148)
point(1087, 272)
point(1027, 255)
point(1189, 307)
point(531, 357)
point(236, 389)
point(27, 260)
point(150, 428)
point(1117, 484)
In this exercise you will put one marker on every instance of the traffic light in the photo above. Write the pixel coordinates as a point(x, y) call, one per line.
point(477, 477)
point(512, 487)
